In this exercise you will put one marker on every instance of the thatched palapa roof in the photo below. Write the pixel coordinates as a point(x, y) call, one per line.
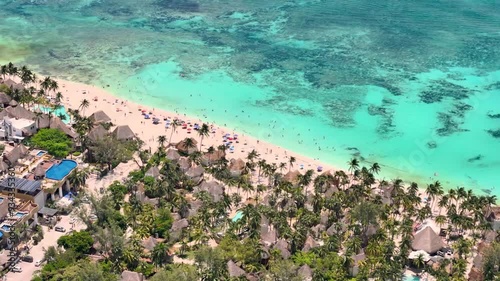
point(292, 176)
point(131, 276)
point(123, 133)
point(149, 243)
point(427, 240)
point(3, 166)
point(236, 166)
point(173, 155)
point(57, 123)
point(13, 85)
point(305, 272)
point(100, 117)
point(97, 133)
point(39, 171)
point(19, 112)
point(153, 172)
point(4, 98)
point(15, 154)
point(181, 146)
point(234, 270)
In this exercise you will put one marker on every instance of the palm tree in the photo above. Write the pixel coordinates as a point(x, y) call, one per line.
point(375, 168)
point(12, 69)
point(53, 85)
point(419, 261)
point(252, 155)
point(59, 97)
point(45, 84)
point(353, 165)
point(174, 125)
point(37, 117)
point(78, 178)
point(161, 140)
point(160, 256)
point(203, 132)
point(189, 143)
point(26, 75)
point(84, 105)
point(3, 71)
point(290, 162)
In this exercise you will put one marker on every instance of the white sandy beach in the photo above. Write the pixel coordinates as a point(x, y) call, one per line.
point(124, 112)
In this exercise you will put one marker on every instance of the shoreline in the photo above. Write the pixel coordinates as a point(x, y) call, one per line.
point(130, 114)
point(272, 153)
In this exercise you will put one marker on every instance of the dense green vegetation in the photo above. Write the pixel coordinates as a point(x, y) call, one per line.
point(79, 242)
point(54, 141)
point(330, 226)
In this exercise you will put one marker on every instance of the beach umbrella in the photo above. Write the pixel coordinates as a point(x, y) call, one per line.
point(146, 116)
point(320, 168)
point(301, 166)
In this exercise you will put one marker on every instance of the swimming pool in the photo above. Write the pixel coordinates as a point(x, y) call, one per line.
point(59, 171)
point(20, 214)
point(60, 111)
point(6, 227)
point(41, 153)
point(237, 217)
point(411, 278)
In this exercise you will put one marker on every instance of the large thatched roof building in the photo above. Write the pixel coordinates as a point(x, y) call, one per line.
point(123, 133)
point(100, 117)
point(427, 240)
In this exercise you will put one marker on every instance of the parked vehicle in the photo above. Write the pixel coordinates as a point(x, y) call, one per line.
point(38, 263)
point(17, 269)
point(27, 259)
point(60, 229)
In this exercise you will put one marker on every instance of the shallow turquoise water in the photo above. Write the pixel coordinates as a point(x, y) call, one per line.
point(237, 217)
point(413, 85)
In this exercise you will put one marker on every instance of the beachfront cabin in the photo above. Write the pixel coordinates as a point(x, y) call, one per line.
point(132, 276)
point(97, 133)
point(13, 85)
point(19, 112)
point(17, 153)
point(123, 133)
point(99, 117)
point(428, 241)
point(57, 123)
point(493, 216)
point(153, 172)
point(4, 100)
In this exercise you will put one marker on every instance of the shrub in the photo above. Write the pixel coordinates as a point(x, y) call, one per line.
point(54, 141)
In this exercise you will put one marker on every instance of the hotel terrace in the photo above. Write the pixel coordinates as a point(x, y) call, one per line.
point(39, 178)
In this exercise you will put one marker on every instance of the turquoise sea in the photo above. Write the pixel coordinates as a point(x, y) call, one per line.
point(413, 85)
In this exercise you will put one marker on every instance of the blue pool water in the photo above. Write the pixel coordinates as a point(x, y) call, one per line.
point(40, 153)
point(411, 278)
point(6, 227)
point(20, 214)
point(59, 171)
point(237, 217)
point(59, 112)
